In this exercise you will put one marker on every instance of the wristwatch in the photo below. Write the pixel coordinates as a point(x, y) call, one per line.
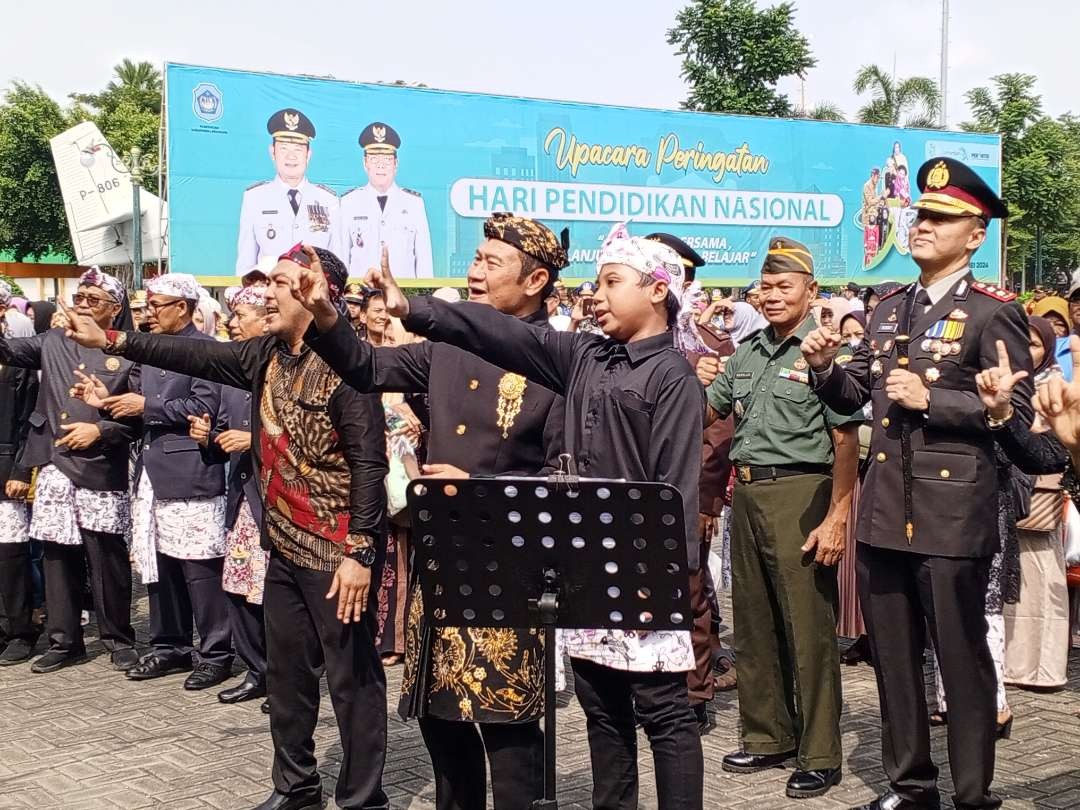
point(363, 552)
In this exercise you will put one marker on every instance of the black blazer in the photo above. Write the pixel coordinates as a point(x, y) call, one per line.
point(103, 465)
point(18, 392)
point(172, 459)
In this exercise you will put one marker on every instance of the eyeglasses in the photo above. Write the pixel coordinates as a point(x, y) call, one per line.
point(91, 301)
point(157, 306)
point(382, 160)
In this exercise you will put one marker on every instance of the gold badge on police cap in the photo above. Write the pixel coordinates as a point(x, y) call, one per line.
point(112, 364)
point(938, 176)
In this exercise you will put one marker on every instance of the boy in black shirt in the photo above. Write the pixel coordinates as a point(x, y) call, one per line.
point(633, 411)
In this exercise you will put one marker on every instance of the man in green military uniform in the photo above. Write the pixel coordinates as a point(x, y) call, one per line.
point(796, 463)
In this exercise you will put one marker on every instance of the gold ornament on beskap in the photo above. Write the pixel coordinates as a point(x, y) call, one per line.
point(938, 176)
point(511, 392)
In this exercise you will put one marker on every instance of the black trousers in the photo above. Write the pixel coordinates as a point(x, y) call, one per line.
point(611, 699)
point(187, 590)
point(248, 633)
point(902, 594)
point(66, 569)
point(304, 637)
point(16, 594)
point(515, 752)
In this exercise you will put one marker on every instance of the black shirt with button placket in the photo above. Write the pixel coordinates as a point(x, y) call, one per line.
point(633, 411)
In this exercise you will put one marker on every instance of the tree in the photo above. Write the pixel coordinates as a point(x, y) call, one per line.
point(734, 54)
point(128, 110)
point(892, 98)
point(32, 218)
point(1040, 174)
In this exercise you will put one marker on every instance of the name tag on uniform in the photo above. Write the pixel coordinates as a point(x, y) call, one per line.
point(743, 375)
point(794, 376)
point(274, 211)
point(887, 327)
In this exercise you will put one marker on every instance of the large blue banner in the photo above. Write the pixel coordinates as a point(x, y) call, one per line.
point(258, 162)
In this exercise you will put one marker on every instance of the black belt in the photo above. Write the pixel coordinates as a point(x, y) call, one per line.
point(748, 474)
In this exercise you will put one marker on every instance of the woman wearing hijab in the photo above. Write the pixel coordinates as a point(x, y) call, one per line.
point(1037, 625)
point(745, 320)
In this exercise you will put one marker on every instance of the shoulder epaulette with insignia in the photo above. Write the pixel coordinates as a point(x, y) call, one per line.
point(410, 191)
point(326, 188)
point(256, 185)
point(993, 291)
point(891, 293)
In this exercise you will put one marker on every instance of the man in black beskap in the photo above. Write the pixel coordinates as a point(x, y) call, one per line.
point(484, 421)
point(320, 454)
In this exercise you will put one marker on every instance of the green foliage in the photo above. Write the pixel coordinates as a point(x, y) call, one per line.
point(825, 111)
point(16, 290)
point(734, 54)
point(32, 220)
point(1040, 174)
point(128, 111)
point(891, 99)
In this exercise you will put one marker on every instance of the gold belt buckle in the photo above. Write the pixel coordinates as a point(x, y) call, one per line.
point(743, 474)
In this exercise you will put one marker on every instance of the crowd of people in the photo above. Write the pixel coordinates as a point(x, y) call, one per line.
point(895, 466)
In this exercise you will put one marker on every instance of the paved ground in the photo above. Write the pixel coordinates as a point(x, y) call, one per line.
point(86, 738)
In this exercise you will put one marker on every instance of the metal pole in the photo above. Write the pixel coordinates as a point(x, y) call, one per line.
point(944, 63)
point(136, 219)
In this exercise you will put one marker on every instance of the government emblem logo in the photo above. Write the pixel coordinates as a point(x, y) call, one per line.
point(379, 133)
point(207, 103)
point(938, 176)
point(292, 121)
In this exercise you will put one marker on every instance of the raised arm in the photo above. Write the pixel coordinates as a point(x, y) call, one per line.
point(544, 356)
point(845, 388)
point(392, 368)
point(22, 352)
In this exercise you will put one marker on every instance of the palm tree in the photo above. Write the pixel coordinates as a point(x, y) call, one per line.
point(891, 98)
point(136, 76)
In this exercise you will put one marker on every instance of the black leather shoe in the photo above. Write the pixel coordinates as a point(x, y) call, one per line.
point(207, 675)
point(57, 659)
point(742, 762)
point(157, 664)
point(265, 708)
point(705, 723)
point(890, 801)
point(250, 688)
point(17, 651)
point(283, 801)
point(124, 658)
point(807, 784)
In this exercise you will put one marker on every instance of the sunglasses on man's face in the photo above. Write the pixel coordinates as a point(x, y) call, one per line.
point(91, 301)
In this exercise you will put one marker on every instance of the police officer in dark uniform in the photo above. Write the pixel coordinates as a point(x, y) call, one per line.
point(927, 523)
point(484, 421)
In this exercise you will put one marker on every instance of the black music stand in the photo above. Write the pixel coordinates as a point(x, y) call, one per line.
point(550, 552)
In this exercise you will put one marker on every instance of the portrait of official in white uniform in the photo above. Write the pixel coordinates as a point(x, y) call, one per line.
point(384, 213)
point(277, 214)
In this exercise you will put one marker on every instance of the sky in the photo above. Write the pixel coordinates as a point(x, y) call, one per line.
point(597, 51)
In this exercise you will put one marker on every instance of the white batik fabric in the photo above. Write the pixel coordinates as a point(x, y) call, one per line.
point(61, 509)
point(631, 650)
point(182, 528)
point(14, 527)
